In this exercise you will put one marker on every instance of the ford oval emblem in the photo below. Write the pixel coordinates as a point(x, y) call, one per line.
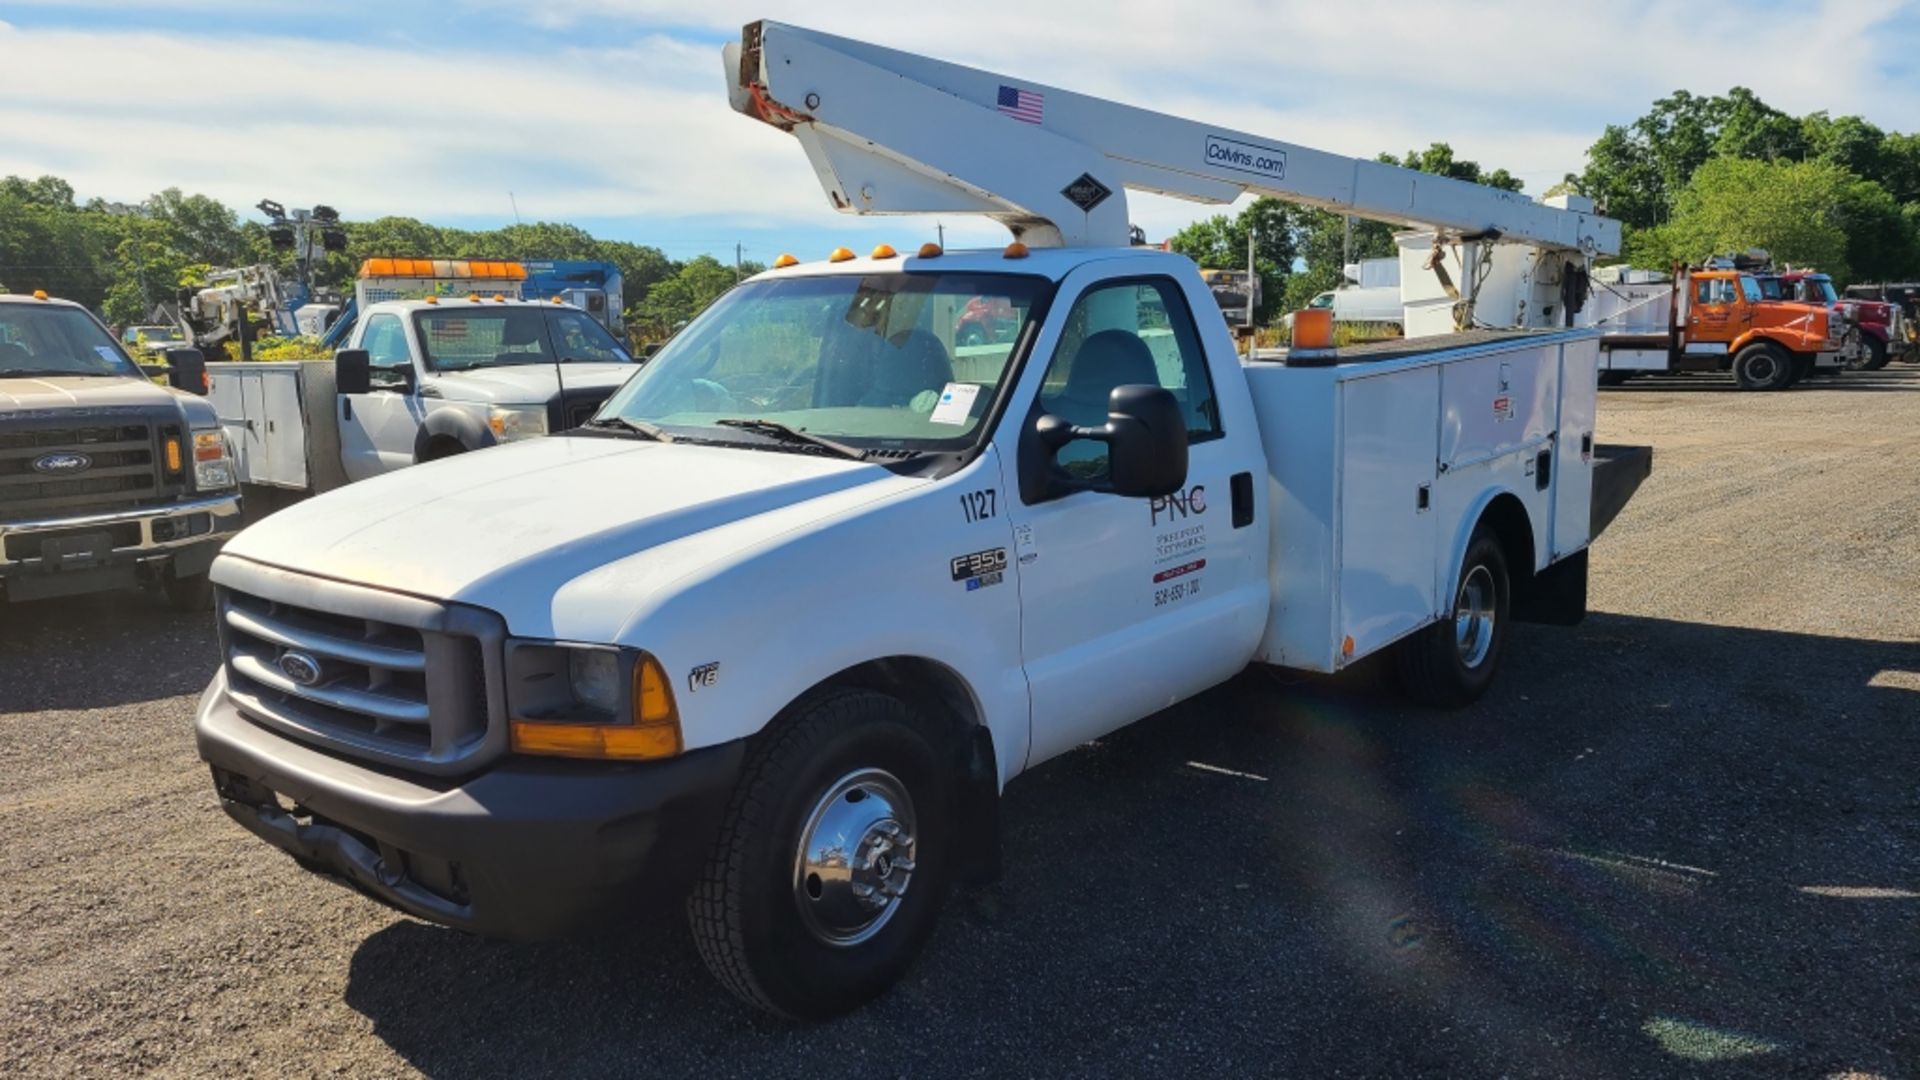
point(62, 463)
point(303, 669)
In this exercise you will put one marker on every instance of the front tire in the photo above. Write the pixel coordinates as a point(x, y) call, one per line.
point(1876, 358)
point(1763, 366)
point(832, 865)
point(1451, 663)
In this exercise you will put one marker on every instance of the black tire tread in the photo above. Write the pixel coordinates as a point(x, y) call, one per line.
point(714, 905)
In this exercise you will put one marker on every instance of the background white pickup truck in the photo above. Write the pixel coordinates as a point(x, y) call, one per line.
point(418, 380)
point(820, 580)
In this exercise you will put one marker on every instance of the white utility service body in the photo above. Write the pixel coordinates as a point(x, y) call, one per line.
point(293, 427)
point(829, 571)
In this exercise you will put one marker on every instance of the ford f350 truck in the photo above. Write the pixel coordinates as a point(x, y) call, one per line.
point(106, 480)
point(776, 627)
point(419, 380)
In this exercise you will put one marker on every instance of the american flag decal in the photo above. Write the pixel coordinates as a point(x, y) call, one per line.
point(1023, 105)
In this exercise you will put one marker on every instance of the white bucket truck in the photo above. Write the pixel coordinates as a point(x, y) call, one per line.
point(421, 378)
point(774, 630)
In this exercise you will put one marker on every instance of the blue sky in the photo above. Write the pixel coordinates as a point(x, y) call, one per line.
point(612, 113)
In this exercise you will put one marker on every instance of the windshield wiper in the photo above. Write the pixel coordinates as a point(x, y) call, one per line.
point(637, 427)
point(775, 430)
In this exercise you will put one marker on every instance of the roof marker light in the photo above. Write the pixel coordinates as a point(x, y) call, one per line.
point(473, 297)
point(1015, 250)
point(785, 260)
point(39, 294)
point(498, 299)
point(431, 299)
point(931, 251)
point(556, 300)
point(840, 254)
point(884, 251)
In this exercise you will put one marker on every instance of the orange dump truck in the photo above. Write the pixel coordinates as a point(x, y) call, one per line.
point(1715, 318)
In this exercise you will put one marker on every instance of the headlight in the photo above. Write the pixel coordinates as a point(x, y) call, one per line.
point(511, 422)
point(212, 461)
point(589, 701)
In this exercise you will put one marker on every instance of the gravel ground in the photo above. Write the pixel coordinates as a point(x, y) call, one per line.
point(1681, 838)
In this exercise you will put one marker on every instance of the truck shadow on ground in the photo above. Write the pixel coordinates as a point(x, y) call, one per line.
point(1656, 847)
point(1895, 377)
point(155, 652)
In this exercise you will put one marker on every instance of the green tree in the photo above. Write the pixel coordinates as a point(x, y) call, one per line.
point(201, 228)
point(676, 299)
point(1220, 243)
point(1438, 158)
point(1792, 209)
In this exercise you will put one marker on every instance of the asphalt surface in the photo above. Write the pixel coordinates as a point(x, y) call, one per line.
point(1682, 838)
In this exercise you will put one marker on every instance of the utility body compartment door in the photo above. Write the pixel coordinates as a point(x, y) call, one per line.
point(1387, 535)
point(282, 429)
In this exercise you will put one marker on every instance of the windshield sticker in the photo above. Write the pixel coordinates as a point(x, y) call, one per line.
point(956, 403)
point(106, 353)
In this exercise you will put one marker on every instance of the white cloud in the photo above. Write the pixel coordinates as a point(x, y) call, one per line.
point(632, 121)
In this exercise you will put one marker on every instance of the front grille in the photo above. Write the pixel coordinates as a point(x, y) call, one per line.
point(121, 468)
point(394, 679)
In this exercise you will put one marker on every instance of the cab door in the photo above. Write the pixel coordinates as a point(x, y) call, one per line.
point(1130, 604)
point(378, 428)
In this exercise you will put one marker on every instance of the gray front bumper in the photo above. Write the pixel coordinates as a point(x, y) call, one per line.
point(153, 536)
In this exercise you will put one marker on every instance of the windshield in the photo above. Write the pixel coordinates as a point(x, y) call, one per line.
point(1818, 290)
point(1772, 289)
point(53, 339)
point(460, 339)
point(906, 361)
point(157, 335)
point(1750, 289)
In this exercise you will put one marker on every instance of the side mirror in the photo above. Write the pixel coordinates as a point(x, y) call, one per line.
point(352, 372)
point(1146, 440)
point(187, 370)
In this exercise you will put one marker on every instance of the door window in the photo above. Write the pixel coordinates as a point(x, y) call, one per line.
point(1713, 291)
point(1121, 334)
point(386, 345)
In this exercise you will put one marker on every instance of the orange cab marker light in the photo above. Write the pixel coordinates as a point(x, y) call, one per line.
point(785, 260)
point(931, 251)
point(1015, 250)
point(39, 294)
point(555, 300)
point(498, 299)
point(884, 251)
point(473, 297)
point(1346, 647)
point(173, 455)
point(433, 299)
point(840, 254)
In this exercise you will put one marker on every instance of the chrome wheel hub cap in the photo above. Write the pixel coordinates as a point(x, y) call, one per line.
point(1473, 614)
point(856, 857)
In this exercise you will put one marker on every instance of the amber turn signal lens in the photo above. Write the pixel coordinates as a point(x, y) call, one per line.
point(173, 455)
point(653, 731)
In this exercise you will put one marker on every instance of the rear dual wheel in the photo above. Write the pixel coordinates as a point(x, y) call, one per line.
point(1451, 663)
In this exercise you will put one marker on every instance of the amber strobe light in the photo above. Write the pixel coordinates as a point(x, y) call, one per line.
point(653, 731)
point(1313, 328)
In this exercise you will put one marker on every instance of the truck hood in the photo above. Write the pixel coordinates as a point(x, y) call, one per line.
point(80, 392)
point(528, 383)
point(506, 528)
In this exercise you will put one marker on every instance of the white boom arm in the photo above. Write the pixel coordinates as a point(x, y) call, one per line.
point(889, 132)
